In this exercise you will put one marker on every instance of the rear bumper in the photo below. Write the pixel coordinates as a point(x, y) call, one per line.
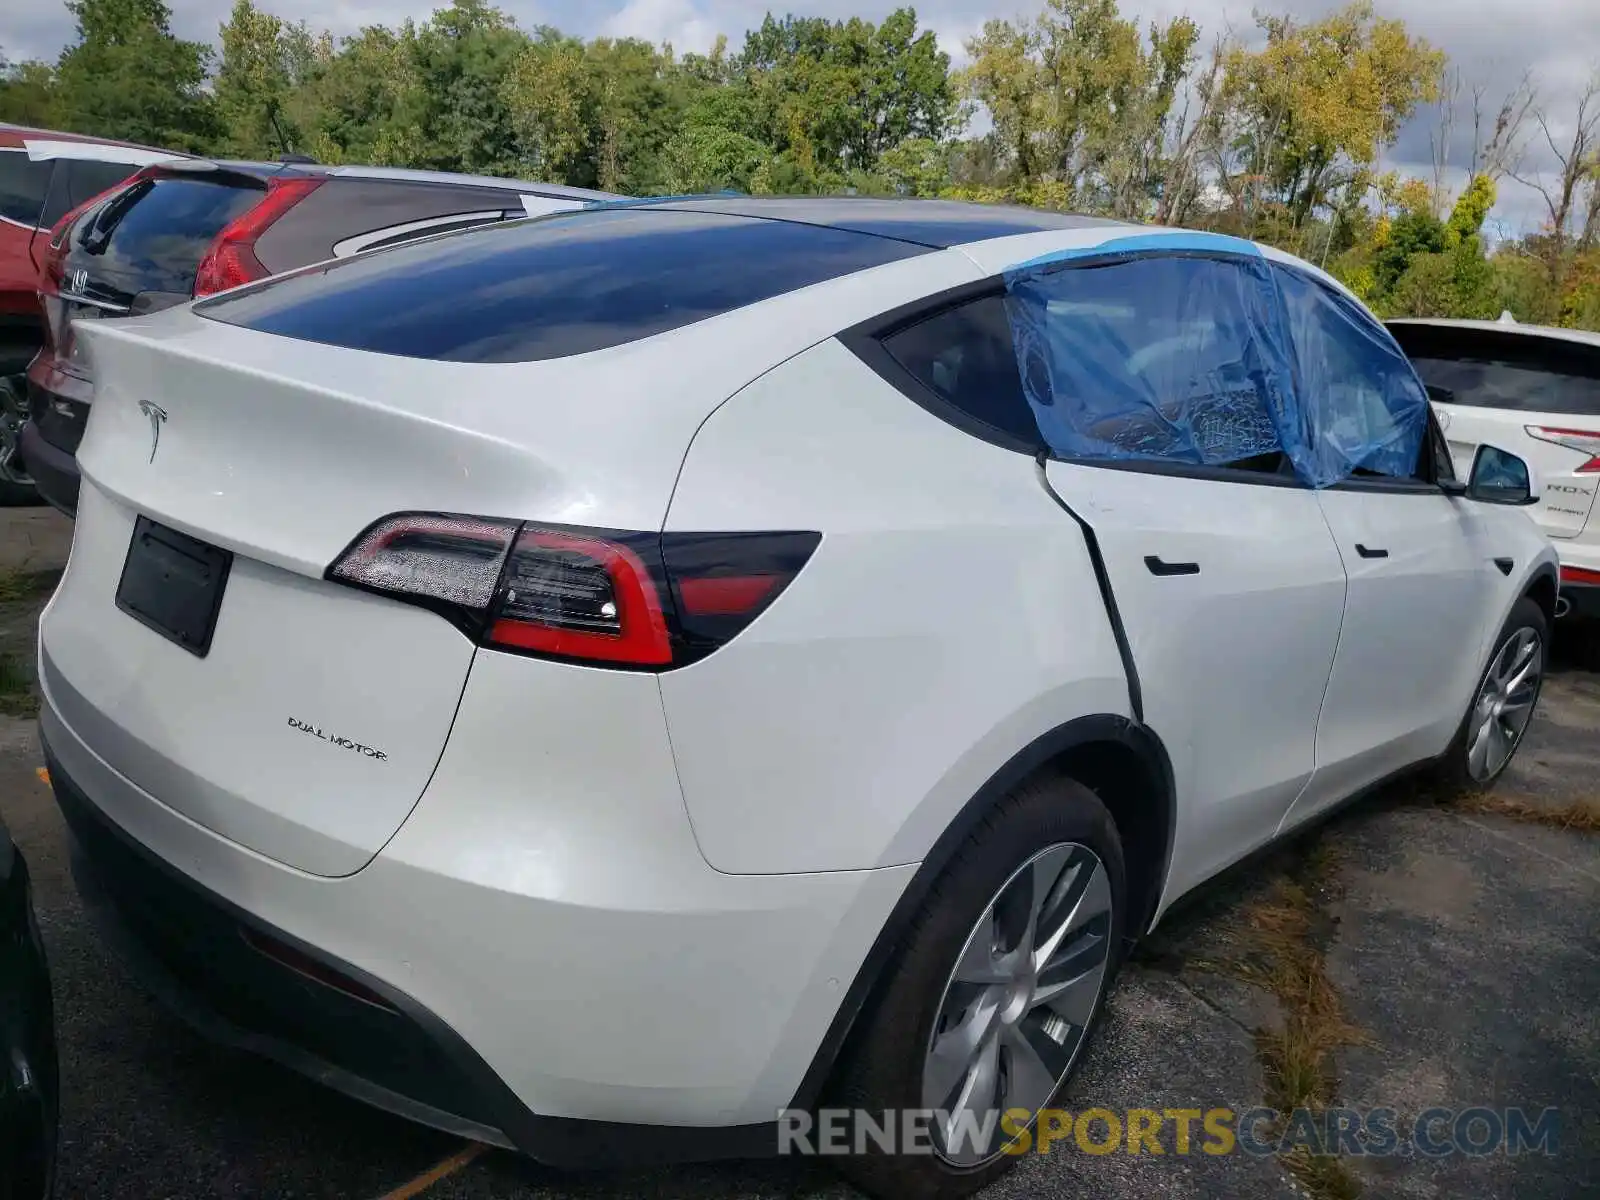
point(206, 959)
point(243, 983)
point(54, 471)
point(641, 1009)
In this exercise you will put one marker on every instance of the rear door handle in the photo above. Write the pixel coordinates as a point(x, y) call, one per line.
point(1158, 567)
point(1371, 551)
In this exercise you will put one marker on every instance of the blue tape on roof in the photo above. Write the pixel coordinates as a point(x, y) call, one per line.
point(1139, 243)
point(1197, 349)
point(643, 201)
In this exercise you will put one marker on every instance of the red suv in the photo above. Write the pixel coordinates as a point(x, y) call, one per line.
point(43, 176)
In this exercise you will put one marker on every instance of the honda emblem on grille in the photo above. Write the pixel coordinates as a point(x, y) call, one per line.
point(157, 416)
point(78, 280)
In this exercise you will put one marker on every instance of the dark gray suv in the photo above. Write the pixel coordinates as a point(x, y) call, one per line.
point(191, 227)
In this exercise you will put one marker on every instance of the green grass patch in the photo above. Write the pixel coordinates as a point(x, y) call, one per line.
point(17, 696)
point(22, 584)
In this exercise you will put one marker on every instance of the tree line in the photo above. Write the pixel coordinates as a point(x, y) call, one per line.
point(1278, 136)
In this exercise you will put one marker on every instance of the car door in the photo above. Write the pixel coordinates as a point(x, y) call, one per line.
point(1420, 564)
point(1217, 562)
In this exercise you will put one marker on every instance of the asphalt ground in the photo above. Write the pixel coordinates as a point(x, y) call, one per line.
point(1405, 956)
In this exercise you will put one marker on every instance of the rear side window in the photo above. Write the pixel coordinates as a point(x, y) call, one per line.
point(551, 287)
point(965, 356)
point(153, 236)
point(23, 184)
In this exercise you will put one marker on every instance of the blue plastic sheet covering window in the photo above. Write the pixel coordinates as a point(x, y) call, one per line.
point(1192, 348)
point(1363, 403)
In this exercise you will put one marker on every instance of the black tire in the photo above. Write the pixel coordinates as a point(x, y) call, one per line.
point(13, 494)
point(1451, 775)
point(882, 1064)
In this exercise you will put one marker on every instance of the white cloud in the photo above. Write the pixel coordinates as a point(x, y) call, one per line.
point(678, 22)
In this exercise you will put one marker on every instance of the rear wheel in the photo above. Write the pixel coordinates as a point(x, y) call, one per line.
point(1503, 704)
point(994, 997)
point(16, 486)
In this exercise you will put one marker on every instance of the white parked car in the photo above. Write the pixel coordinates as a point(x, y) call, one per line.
point(593, 683)
point(1535, 390)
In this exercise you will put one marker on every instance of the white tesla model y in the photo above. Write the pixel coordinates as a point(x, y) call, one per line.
point(597, 683)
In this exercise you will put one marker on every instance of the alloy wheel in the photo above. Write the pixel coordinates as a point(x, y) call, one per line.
point(1504, 706)
point(1018, 1002)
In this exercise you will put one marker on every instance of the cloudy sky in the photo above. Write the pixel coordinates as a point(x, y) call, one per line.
point(1492, 41)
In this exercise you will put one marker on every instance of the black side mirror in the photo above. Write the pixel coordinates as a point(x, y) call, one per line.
point(1500, 477)
point(1440, 395)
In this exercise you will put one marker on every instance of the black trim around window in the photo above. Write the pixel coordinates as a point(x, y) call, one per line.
point(866, 342)
point(1160, 466)
point(1387, 484)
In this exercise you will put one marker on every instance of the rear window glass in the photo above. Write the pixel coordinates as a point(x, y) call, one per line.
point(551, 287)
point(23, 183)
point(1489, 383)
point(153, 236)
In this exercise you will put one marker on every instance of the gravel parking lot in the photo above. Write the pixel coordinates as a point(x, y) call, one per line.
point(1405, 956)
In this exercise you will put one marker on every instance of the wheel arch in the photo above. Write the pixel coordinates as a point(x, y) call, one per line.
point(1542, 589)
point(1122, 761)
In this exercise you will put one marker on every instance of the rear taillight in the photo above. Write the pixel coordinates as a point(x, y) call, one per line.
point(1584, 441)
point(574, 595)
point(639, 600)
point(232, 260)
point(1580, 575)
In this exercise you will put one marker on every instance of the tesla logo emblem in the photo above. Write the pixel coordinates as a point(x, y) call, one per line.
point(78, 280)
point(158, 416)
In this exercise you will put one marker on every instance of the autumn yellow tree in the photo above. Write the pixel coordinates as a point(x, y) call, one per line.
point(1080, 98)
point(1303, 114)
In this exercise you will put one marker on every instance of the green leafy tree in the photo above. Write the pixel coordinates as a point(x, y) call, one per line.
point(126, 76)
point(27, 93)
point(461, 57)
point(1081, 99)
point(266, 65)
point(841, 93)
point(366, 102)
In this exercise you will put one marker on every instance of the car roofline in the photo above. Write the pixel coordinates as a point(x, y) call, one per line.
point(558, 191)
point(1582, 337)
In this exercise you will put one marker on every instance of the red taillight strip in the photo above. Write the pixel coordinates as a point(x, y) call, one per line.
point(724, 595)
point(1580, 575)
point(607, 597)
point(303, 964)
point(643, 641)
point(1583, 441)
point(231, 261)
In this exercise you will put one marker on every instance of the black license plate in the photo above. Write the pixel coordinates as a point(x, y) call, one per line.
point(173, 584)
